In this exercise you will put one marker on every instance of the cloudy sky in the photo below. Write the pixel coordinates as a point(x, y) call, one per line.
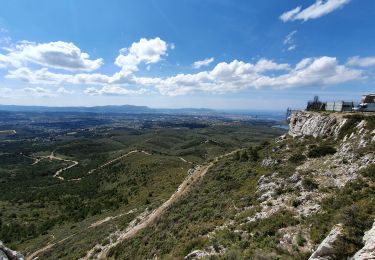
point(227, 54)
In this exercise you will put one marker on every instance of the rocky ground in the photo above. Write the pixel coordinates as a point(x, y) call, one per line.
point(303, 190)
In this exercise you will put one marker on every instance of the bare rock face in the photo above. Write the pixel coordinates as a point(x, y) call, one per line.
point(210, 250)
point(269, 162)
point(314, 124)
point(197, 254)
point(368, 250)
point(8, 254)
point(326, 249)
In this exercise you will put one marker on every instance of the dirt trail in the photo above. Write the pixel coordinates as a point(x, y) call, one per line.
point(146, 218)
point(100, 251)
point(102, 221)
point(116, 159)
point(184, 160)
point(51, 157)
point(95, 224)
point(57, 174)
point(36, 159)
point(46, 248)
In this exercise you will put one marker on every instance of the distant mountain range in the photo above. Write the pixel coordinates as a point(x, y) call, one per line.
point(130, 109)
point(127, 109)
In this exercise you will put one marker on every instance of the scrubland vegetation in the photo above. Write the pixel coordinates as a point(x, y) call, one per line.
point(218, 214)
point(37, 208)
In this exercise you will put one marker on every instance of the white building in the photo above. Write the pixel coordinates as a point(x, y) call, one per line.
point(340, 106)
point(367, 103)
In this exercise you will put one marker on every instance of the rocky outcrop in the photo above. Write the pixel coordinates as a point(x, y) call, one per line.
point(196, 254)
point(8, 254)
point(207, 252)
point(368, 251)
point(327, 249)
point(315, 124)
point(269, 162)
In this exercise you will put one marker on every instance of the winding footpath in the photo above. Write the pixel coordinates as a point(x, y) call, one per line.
point(143, 220)
point(56, 175)
point(45, 248)
point(117, 159)
point(100, 251)
point(51, 157)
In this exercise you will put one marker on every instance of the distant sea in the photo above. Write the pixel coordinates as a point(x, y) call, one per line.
point(286, 127)
point(261, 114)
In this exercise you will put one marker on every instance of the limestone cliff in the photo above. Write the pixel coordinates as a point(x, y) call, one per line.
point(315, 124)
point(355, 151)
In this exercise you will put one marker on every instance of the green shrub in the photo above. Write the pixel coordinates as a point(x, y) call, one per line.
point(319, 151)
point(370, 122)
point(253, 154)
point(244, 157)
point(264, 144)
point(297, 158)
point(232, 255)
point(369, 172)
point(356, 220)
point(309, 184)
point(300, 239)
point(194, 244)
point(296, 202)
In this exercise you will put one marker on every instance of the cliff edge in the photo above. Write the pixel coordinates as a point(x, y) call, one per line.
point(315, 124)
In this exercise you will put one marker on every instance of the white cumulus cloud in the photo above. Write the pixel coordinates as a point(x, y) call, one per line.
point(147, 51)
point(44, 76)
point(39, 92)
point(361, 61)
point(201, 63)
point(224, 77)
point(58, 55)
point(287, 16)
point(113, 91)
point(314, 11)
point(64, 91)
point(238, 75)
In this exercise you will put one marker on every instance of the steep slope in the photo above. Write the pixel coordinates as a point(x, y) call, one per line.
point(276, 200)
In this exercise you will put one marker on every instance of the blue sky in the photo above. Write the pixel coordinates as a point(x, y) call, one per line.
point(188, 53)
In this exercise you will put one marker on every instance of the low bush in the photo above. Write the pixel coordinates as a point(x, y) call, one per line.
point(253, 154)
point(369, 172)
point(319, 151)
point(297, 158)
point(309, 184)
